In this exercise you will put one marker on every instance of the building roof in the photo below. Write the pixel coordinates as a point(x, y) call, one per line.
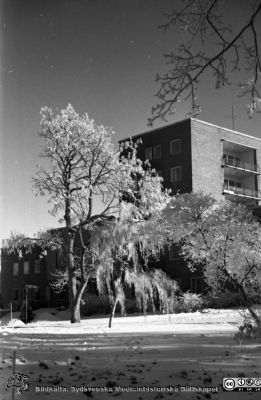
point(190, 119)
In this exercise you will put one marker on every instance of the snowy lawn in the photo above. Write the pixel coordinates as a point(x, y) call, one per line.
point(181, 353)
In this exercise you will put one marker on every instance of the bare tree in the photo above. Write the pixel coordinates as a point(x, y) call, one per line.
point(222, 51)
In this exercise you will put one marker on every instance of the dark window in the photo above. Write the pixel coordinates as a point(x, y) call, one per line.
point(228, 183)
point(175, 174)
point(36, 295)
point(37, 268)
point(26, 267)
point(157, 151)
point(15, 268)
point(175, 146)
point(197, 284)
point(148, 153)
point(15, 294)
point(173, 252)
point(230, 159)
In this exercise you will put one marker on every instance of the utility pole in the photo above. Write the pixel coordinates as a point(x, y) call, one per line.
point(233, 117)
point(26, 306)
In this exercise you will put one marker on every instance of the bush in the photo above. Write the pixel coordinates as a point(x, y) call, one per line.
point(131, 306)
point(27, 314)
point(93, 304)
point(246, 331)
point(190, 302)
point(226, 299)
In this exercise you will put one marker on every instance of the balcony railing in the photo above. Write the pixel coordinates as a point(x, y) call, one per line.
point(240, 191)
point(239, 164)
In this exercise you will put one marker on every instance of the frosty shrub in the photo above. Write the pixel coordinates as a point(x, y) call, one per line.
point(248, 330)
point(190, 302)
point(225, 299)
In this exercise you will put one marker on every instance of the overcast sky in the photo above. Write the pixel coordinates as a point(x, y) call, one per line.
point(102, 57)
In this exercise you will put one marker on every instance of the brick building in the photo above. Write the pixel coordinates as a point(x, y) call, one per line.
point(30, 276)
point(193, 155)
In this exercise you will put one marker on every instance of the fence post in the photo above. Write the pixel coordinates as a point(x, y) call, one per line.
point(14, 361)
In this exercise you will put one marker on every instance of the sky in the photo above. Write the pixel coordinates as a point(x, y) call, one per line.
point(101, 56)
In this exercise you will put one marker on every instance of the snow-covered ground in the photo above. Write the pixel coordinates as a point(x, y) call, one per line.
point(152, 357)
point(218, 321)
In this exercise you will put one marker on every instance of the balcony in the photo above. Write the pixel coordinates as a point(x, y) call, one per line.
point(236, 163)
point(241, 192)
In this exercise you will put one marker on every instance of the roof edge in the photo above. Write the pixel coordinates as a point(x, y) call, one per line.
point(190, 119)
point(225, 129)
point(155, 129)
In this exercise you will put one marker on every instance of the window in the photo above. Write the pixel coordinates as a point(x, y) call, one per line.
point(148, 153)
point(159, 173)
point(230, 159)
point(37, 269)
point(157, 151)
point(175, 174)
point(36, 294)
point(15, 268)
point(173, 253)
point(175, 146)
point(26, 267)
point(231, 184)
point(15, 294)
point(197, 284)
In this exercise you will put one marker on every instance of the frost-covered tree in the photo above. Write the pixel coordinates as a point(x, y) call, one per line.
point(124, 253)
point(212, 41)
point(224, 238)
point(81, 170)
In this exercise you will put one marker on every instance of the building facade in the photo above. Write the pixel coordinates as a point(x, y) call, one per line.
point(28, 278)
point(193, 155)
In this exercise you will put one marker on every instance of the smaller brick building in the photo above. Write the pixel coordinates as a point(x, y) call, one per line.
point(30, 276)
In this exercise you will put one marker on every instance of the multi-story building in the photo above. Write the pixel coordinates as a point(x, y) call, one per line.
point(193, 155)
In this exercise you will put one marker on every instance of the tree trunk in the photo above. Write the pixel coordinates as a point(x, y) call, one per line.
point(75, 309)
point(113, 312)
point(70, 236)
point(75, 313)
point(252, 312)
point(239, 287)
